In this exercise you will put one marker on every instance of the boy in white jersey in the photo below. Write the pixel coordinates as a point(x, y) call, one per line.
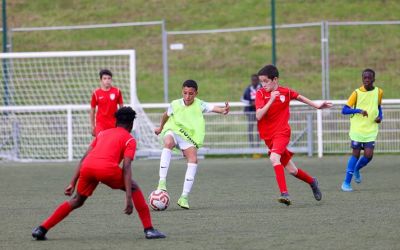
point(183, 126)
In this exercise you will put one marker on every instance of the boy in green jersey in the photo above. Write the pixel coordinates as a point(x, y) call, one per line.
point(364, 106)
point(183, 126)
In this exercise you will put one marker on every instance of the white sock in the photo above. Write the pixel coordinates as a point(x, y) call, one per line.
point(189, 178)
point(164, 163)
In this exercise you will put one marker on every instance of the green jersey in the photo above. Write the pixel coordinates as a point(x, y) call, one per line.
point(364, 128)
point(188, 121)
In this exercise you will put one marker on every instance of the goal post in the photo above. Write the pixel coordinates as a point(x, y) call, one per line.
point(46, 96)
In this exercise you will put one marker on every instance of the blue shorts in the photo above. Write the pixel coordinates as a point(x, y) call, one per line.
point(362, 145)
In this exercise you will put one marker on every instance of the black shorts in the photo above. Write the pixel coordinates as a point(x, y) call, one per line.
point(362, 145)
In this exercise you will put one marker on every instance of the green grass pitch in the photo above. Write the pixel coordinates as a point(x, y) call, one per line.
point(233, 206)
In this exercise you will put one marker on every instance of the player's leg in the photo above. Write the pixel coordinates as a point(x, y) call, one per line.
point(165, 160)
point(144, 213)
point(62, 211)
point(304, 176)
point(280, 178)
point(191, 156)
point(250, 124)
point(364, 160)
point(346, 185)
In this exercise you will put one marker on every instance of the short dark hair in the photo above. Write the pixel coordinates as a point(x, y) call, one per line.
point(125, 116)
point(105, 72)
point(190, 84)
point(270, 71)
point(370, 71)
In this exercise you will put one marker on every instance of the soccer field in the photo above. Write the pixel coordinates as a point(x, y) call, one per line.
point(233, 206)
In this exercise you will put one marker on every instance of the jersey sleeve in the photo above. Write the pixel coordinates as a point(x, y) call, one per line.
point(120, 100)
point(352, 99)
point(293, 94)
point(130, 148)
point(259, 100)
point(206, 107)
point(93, 102)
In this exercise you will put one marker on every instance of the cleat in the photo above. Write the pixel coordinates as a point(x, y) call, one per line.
point(39, 233)
point(153, 234)
point(357, 176)
point(162, 185)
point(285, 199)
point(183, 202)
point(346, 187)
point(315, 189)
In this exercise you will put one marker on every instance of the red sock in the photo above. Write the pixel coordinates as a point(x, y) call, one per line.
point(280, 178)
point(304, 176)
point(58, 215)
point(142, 208)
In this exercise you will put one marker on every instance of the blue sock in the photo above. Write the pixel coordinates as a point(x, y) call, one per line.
point(350, 168)
point(362, 163)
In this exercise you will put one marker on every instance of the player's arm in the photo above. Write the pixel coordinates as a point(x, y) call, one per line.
point(69, 190)
point(221, 110)
point(322, 105)
point(380, 114)
point(261, 112)
point(127, 173)
point(92, 120)
point(164, 120)
point(348, 108)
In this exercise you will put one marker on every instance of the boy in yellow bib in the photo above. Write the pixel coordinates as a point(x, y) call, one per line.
point(364, 106)
point(183, 126)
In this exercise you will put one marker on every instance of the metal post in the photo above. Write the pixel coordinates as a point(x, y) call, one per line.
point(327, 84)
point(323, 60)
point(310, 142)
point(165, 60)
point(273, 28)
point(70, 135)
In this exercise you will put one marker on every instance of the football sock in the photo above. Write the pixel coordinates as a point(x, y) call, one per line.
point(164, 162)
point(350, 168)
point(189, 178)
point(304, 176)
point(142, 208)
point(280, 178)
point(58, 215)
point(362, 162)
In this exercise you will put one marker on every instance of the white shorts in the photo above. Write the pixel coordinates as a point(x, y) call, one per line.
point(180, 143)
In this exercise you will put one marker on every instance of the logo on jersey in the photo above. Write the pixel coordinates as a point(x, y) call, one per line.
point(282, 98)
point(112, 96)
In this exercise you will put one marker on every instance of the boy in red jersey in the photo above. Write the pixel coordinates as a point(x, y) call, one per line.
point(101, 164)
point(106, 98)
point(272, 113)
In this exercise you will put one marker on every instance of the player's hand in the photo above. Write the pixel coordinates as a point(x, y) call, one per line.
point(325, 105)
point(158, 130)
point(274, 95)
point(226, 108)
point(69, 190)
point(364, 113)
point(378, 119)
point(129, 206)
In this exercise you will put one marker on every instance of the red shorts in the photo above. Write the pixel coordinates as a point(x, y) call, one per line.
point(278, 146)
point(89, 178)
point(100, 128)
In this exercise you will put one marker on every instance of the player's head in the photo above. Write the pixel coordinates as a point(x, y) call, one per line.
point(368, 78)
point(189, 91)
point(254, 80)
point(105, 78)
point(125, 117)
point(268, 77)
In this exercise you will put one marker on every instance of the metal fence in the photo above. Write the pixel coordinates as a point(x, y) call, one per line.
point(63, 132)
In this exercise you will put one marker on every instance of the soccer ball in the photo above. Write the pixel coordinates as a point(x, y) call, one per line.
point(159, 200)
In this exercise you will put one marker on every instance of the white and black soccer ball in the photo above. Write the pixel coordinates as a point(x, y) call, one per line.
point(159, 200)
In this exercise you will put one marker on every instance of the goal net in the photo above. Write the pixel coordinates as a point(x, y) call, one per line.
point(45, 102)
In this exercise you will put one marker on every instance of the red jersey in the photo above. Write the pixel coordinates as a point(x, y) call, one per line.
point(276, 120)
point(109, 148)
point(107, 104)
